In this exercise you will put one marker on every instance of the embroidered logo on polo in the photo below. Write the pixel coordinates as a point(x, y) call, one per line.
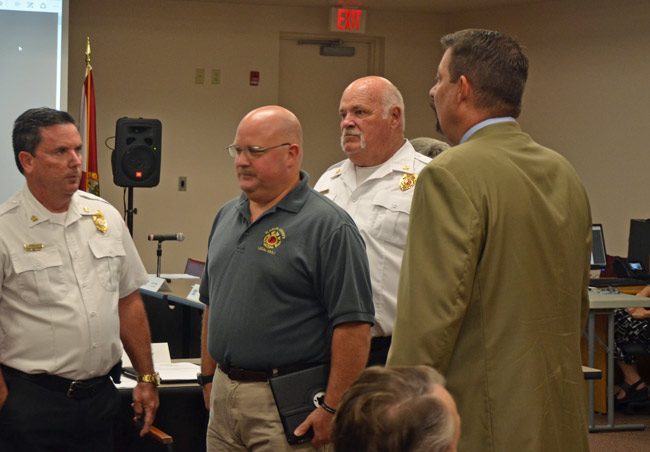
point(272, 239)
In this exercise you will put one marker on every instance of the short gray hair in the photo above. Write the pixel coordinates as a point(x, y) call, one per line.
point(429, 146)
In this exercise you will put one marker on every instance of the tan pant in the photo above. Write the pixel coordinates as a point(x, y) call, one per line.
point(243, 417)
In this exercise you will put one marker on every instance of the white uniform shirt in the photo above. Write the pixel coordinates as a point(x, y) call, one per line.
point(60, 284)
point(380, 207)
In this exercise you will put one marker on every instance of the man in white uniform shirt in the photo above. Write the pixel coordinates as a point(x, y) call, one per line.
point(375, 186)
point(69, 280)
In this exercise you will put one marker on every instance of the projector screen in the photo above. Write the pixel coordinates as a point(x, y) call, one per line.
point(33, 52)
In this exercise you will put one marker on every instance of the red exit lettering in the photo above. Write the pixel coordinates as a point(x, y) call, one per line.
point(348, 19)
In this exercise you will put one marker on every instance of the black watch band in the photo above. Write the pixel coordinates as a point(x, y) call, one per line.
point(203, 380)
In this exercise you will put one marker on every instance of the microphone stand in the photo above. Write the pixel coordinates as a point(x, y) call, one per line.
point(158, 258)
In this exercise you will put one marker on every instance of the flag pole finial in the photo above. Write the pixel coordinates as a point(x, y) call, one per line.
point(88, 50)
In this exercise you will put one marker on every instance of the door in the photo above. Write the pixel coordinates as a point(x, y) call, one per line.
point(311, 86)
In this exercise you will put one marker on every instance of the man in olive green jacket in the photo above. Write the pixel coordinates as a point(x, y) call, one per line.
point(493, 285)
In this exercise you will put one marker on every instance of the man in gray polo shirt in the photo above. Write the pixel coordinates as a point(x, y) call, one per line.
point(287, 287)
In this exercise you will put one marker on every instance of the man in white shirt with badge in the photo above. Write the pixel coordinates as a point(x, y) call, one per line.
point(69, 300)
point(375, 186)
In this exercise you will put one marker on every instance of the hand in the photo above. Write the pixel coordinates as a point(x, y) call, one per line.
point(321, 421)
point(639, 313)
point(207, 388)
point(645, 292)
point(4, 393)
point(145, 403)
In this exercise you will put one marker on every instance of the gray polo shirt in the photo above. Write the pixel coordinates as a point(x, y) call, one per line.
point(277, 287)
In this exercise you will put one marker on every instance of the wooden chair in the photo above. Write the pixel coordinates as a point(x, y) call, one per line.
point(161, 437)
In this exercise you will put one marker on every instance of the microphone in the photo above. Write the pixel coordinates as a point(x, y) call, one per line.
point(162, 237)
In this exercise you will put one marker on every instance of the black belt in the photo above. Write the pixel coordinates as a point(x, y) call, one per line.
point(380, 342)
point(244, 375)
point(74, 389)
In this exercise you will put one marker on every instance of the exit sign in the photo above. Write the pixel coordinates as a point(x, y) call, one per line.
point(351, 20)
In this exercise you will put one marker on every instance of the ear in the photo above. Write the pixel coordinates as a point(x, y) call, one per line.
point(294, 156)
point(396, 115)
point(465, 88)
point(25, 159)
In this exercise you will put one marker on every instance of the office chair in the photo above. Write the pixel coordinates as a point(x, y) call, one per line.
point(194, 267)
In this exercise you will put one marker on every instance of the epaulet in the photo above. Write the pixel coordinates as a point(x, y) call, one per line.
point(87, 195)
point(8, 206)
point(422, 158)
point(335, 166)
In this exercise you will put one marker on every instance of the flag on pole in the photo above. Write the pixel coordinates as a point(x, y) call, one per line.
point(87, 127)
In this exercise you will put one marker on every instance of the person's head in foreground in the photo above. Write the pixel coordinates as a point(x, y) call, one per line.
point(397, 409)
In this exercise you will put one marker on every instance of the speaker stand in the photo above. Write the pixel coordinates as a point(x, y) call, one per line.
point(130, 211)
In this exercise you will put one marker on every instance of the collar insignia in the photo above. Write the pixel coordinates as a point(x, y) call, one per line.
point(100, 222)
point(407, 181)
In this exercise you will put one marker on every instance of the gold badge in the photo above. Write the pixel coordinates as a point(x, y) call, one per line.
point(100, 222)
point(272, 239)
point(34, 218)
point(31, 247)
point(407, 182)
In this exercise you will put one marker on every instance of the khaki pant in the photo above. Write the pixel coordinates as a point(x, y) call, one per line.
point(243, 417)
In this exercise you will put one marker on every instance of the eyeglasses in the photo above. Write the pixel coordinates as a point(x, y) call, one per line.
point(251, 151)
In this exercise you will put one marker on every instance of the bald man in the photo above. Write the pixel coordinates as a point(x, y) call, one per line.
point(287, 287)
point(375, 186)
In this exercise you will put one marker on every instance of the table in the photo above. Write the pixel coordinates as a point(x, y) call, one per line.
point(175, 319)
point(602, 303)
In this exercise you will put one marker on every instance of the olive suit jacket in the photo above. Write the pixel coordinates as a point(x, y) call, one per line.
point(493, 290)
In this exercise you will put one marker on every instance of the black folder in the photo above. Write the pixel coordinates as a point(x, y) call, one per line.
point(296, 396)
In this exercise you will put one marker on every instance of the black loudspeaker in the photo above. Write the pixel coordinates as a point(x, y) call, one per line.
point(136, 158)
point(638, 247)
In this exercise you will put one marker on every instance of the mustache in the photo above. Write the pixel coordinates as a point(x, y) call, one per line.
point(352, 131)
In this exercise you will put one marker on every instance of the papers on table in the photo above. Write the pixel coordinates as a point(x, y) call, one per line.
point(170, 372)
point(177, 276)
point(155, 284)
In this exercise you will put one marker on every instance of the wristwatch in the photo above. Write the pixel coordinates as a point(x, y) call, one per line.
point(153, 378)
point(203, 380)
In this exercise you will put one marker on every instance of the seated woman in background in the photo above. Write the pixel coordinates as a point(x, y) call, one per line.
point(632, 328)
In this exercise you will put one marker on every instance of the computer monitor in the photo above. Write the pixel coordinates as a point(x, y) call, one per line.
point(598, 253)
point(638, 249)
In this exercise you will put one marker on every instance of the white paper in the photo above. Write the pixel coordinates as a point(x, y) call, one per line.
point(178, 276)
point(160, 351)
point(178, 371)
point(154, 283)
point(194, 293)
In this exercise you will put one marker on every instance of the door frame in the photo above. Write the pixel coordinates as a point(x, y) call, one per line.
point(375, 46)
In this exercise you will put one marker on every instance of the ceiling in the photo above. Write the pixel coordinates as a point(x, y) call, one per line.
point(431, 6)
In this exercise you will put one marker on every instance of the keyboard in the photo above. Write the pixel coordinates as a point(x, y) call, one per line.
point(616, 282)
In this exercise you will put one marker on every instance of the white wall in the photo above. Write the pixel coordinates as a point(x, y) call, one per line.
point(588, 93)
point(588, 96)
point(144, 56)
